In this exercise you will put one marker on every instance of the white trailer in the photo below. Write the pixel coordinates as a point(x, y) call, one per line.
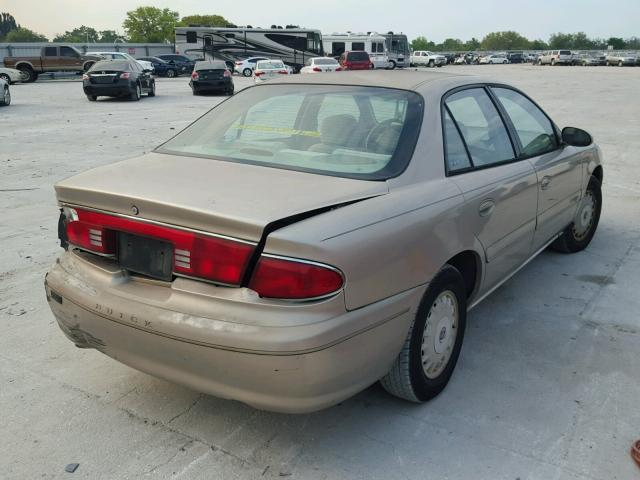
point(372, 43)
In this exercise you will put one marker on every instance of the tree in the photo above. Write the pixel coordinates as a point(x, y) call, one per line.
point(421, 43)
point(633, 43)
point(7, 23)
point(508, 40)
point(538, 45)
point(21, 34)
point(576, 41)
point(452, 44)
point(472, 44)
point(205, 21)
point(151, 24)
point(108, 36)
point(79, 35)
point(617, 43)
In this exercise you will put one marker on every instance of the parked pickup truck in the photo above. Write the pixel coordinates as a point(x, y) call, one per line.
point(53, 58)
point(425, 58)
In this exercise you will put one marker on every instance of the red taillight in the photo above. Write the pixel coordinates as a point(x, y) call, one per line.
point(226, 73)
point(124, 75)
point(195, 76)
point(200, 255)
point(317, 69)
point(338, 69)
point(257, 74)
point(276, 277)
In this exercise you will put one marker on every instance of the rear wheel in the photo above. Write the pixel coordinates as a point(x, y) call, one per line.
point(553, 62)
point(136, 94)
point(5, 77)
point(392, 65)
point(431, 64)
point(430, 352)
point(578, 235)
point(620, 63)
point(30, 75)
point(92, 98)
point(230, 90)
point(6, 97)
point(171, 73)
point(247, 72)
point(152, 90)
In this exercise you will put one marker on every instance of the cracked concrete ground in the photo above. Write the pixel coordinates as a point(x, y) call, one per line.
point(547, 385)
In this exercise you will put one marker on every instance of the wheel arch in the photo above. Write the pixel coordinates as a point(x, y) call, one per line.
point(24, 64)
point(469, 264)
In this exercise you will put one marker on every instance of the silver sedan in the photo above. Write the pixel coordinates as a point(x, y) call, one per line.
point(318, 233)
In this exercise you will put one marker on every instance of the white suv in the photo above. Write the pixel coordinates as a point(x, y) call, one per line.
point(556, 57)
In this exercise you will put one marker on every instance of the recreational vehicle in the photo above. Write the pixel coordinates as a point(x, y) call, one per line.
point(294, 46)
point(372, 43)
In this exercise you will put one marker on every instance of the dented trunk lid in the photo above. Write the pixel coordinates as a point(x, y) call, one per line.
point(228, 198)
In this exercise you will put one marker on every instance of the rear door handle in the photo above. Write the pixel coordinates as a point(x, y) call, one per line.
point(486, 208)
point(544, 183)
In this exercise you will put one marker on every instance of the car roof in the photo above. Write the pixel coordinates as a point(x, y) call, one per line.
point(401, 79)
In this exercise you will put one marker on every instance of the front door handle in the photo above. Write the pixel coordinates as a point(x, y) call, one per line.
point(486, 208)
point(544, 183)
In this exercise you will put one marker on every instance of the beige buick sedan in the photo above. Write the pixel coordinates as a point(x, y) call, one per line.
point(316, 234)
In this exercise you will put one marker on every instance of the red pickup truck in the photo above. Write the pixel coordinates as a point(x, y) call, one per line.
point(53, 58)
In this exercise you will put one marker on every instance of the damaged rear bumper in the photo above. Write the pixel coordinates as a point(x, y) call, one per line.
point(226, 341)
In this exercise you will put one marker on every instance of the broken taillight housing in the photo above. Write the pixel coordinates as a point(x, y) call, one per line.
point(293, 279)
point(196, 254)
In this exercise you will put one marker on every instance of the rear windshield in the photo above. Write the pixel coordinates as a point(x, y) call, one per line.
point(325, 61)
point(118, 65)
point(211, 66)
point(357, 56)
point(565, 52)
point(347, 131)
point(269, 64)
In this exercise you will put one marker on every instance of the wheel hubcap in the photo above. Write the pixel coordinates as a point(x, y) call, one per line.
point(584, 221)
point(440, 333)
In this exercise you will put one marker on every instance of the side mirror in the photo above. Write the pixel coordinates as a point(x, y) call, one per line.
point(576, 137)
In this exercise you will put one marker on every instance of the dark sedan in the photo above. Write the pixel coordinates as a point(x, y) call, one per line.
point(118, 78)
point(182, 62)
point(211, 76)
point(162, 68)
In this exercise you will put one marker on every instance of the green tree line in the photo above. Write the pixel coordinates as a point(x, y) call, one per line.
point(511, 40)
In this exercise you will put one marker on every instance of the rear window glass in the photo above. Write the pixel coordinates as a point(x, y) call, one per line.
point(325, 61)
point(565, 52)
point(355, 132)
point(357, 56)
point(110, 65)
point(269, 64)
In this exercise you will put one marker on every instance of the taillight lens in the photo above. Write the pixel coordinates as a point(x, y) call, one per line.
point(282, 278)
point(226, 73)
point(214, 258)
point(124, 75)
point(257, 74)
point(195, 76)
point(317, 69)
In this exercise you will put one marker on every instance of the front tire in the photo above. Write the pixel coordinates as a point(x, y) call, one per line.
point(431, 64)
point(92, 98)
point(247, 72)
point(430, 352)
point(6, 78)
point(171, 73)
point(392, 65)
point(578, 235)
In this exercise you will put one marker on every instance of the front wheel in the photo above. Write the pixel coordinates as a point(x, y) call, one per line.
point(5, 99)
point(431, 64)
point(6, 78)
point(247, 72)
point(578, 235)
point(171, 73)
point(430, 352)
point(92, 98)
point(392, 65)
point(620, 64)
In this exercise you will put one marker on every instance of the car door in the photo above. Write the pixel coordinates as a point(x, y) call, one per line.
point(500, 190)
point(70, 59)
point(559, 168)
point(51, 58)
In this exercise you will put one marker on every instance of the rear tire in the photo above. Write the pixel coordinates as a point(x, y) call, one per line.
point(430, 352)
point(171, 73)
point(392, 65)
point(247, 72)
point(578, 235)
point(92, 98)
point(31, 76)
point(5, 100)
point(230, 90)
point(431, 64)
point(620, 64)
point(152, 90)
point(136, 94)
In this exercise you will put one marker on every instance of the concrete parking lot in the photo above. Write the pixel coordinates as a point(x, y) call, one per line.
point(547, 385)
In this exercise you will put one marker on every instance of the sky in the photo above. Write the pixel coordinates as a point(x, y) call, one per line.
point(435, 20)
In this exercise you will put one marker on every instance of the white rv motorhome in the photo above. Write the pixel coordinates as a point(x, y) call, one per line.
point(397, 49)
point(294, 46)
point(372, 43)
